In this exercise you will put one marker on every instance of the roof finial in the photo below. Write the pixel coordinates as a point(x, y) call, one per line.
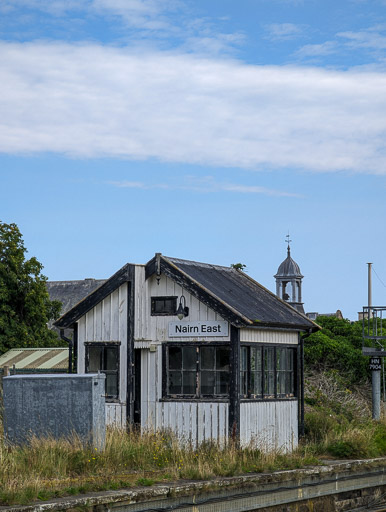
point(288, 242)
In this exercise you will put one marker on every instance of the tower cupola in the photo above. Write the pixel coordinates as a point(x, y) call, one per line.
point(289, 281)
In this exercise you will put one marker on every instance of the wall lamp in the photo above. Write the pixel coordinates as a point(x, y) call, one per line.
point(182, 310)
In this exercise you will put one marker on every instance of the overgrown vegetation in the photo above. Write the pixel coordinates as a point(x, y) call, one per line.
point(338, 346)
point(48, 468)
point(338, 394)
point(338, 420)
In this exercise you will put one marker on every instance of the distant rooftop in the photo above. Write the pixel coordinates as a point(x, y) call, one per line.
point(69, 293)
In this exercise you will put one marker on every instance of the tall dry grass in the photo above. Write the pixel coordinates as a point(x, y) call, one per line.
point(47, 468)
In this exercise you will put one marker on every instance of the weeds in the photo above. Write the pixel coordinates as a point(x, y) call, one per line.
point(46, 468)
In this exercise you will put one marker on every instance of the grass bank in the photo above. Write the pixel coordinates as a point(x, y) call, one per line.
point(47, 468)
point(338, 425)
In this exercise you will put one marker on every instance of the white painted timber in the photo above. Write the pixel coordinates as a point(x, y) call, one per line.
point(116, 415)
point(107, 322)
point(192, 422)
point(271, 425)
point(155, 328)
point(267, 336)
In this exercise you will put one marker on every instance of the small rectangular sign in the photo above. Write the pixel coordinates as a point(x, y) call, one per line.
point(375, 364)
point(198, 329)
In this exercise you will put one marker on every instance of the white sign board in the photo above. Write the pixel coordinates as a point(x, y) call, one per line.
point(198, 329)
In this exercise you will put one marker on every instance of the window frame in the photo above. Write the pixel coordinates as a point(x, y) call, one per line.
point(198, 396)
point(263, 396)
point(105, 344)
point(153, 300)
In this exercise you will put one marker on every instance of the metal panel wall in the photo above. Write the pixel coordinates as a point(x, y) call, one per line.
point(56, 406)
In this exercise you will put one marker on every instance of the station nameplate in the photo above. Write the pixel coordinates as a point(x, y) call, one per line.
point(198, 329)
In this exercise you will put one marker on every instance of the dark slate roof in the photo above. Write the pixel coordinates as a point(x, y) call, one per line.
point(69, 293)
point(100, 292)
point(289, 267)
point(243, 294)
point(230, 292)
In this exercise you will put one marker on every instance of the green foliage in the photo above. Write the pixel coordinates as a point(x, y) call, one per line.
point(146, 482)
point(239, 266)
point(25, 307)
point(337, 346)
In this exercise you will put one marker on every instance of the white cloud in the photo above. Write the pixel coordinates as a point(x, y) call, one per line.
point(53, 7)
point(145, 14)
point(283, 31)
point(162, 23)
point(204, 185)
point(317, 50)
point(94, 101)
point(371, 38)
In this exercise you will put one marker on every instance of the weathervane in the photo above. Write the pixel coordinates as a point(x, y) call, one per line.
point(288, 239)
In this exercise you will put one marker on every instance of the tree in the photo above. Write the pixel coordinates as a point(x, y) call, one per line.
point(338, 346)
point(25, 306)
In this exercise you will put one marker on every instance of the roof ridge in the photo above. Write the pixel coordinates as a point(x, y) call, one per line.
point(198, 263)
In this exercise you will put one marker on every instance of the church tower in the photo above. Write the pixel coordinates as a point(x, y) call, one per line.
point(289, 281)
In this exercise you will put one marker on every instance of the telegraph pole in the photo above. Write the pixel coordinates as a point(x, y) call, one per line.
point(375, 374)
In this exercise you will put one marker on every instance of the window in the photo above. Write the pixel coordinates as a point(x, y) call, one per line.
point(197, 371)
point(163, 306)
point(267, 372)
point(104, 357)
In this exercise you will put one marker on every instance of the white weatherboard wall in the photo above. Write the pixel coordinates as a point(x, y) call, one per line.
point(190, 420)
point(251, 335)
point(155, 328)
point(107, 321)
point(269, 425)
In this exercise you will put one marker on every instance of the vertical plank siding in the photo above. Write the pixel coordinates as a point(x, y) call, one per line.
point(116, 415)
point(155, 328)
point(107, 321)
point(192, 422)
point(269, 425)
point(268, 336)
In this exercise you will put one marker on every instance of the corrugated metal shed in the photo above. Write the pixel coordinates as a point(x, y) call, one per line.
point(36, 359)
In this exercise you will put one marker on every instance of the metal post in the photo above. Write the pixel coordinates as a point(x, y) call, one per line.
point(376, 383)
point(375, 374)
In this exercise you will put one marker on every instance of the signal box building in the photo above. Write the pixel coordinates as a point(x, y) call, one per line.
point(200, 349)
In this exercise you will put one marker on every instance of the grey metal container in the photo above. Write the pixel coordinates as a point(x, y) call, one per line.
point(58, 406)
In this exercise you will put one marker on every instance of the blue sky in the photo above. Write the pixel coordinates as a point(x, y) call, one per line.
point(203, 129)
